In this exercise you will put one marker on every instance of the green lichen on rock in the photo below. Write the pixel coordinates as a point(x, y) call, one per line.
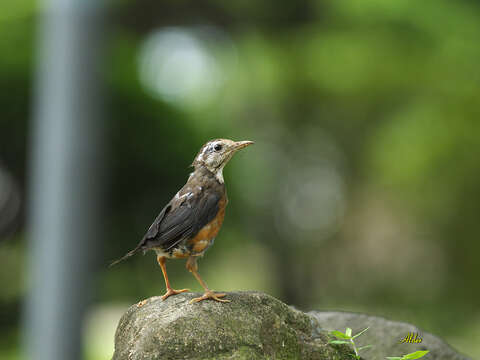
point(252, 326)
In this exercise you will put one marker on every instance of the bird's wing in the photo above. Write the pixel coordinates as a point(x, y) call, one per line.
point(176, 223)
point(181, 219)
point(153, 230)
point(151, 233)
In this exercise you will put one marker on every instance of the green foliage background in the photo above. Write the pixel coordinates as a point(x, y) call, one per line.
point(378, 100)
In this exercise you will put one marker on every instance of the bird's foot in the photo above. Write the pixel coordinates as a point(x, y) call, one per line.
point(171, 292)
point(210, 295)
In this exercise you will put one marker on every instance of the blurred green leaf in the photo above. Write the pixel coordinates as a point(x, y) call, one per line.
point(340, 335)
point(415, 355)
point(360, 333)
point(339, 342)
point(364, 347)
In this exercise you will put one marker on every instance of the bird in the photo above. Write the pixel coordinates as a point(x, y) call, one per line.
point(188, 225)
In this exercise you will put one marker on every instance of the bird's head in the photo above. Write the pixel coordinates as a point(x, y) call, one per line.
point(215, 154)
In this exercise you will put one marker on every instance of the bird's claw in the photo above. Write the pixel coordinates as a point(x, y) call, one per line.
point(171, 292)
point(210, 295)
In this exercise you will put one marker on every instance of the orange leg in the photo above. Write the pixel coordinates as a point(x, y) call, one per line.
point(209, 294)
point(161, 261)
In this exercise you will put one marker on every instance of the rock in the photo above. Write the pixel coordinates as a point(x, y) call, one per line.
point(385, 335)
point(256, 326)
point(252, 326)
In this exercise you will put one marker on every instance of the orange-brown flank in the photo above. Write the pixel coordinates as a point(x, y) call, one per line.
point(205, 236)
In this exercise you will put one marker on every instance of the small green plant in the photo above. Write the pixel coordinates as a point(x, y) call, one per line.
point(348, 338)
point(411, 356)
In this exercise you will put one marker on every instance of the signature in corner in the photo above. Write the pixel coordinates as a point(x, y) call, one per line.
point(411, 338)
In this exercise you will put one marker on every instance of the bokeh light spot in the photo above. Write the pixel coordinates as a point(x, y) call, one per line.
point(178, 66)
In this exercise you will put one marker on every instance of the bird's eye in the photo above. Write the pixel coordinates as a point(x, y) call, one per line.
point(218, 147)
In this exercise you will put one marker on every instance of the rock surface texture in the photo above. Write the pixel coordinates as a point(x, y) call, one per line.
point(252, 326)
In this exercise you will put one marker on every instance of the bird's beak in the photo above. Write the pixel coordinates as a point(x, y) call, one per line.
point(241, 144)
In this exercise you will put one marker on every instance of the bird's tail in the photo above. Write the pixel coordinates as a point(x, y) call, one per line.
point(126, 256)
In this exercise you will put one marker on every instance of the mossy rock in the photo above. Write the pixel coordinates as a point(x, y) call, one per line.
point(252, 326)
